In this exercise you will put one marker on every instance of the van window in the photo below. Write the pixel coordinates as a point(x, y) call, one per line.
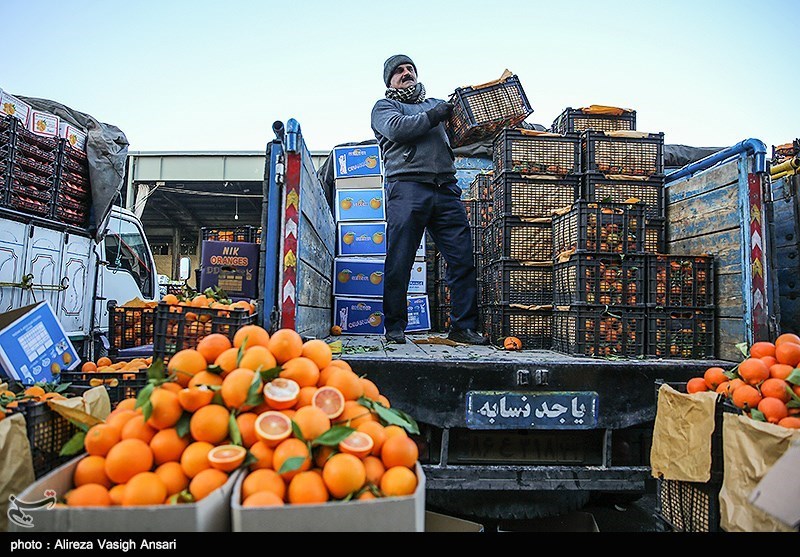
point(127, 250)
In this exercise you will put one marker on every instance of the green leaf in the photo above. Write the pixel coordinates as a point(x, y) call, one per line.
point(156, 370)
point(214, 368)
point(233, 430)
point(240, 353)
point(249, 459)
point(743, 348)
point(218, 399)
point(333, 436)
point(254, 393)
point(297, 432)
point(74, 445)
point(757, 415)
point(391, 416)
point(270, 374)
point(62, 387)
point(147, 410)
point(182, 427)
point(144, 395)
point(794, 377)
point(292, 464)
point(79, 425)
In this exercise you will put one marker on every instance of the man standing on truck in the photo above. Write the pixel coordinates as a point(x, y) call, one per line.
point(421, 192)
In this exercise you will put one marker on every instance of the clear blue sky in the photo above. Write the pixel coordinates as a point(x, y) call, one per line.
point(200, 75)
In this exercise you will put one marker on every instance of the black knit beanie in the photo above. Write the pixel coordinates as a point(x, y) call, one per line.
point(391, 65)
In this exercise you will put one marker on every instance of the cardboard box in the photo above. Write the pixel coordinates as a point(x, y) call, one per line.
point(11, 105)
point(358, 166)
point(212, 514)
point(361, 238)
point(360, 205)
point(363, 316)
point(231, 266)
point(389, 514)
point(34, 345)
point(43, 123)
point(74, 136)
point(364, 277)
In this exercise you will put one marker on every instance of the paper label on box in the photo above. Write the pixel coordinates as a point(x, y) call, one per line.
point(361, 204)
point(364, 277)
point(75, 137)
point(362, 238)
point(365, 317)
point(43, 123)
point(363, 160)
point(418, 282)
point(11, 105)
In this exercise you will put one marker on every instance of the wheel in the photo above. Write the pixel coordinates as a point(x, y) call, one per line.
point(507, 505)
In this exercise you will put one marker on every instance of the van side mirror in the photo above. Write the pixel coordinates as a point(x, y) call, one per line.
point(185, 268)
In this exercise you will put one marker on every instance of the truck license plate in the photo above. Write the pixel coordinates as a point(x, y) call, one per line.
point(522, 410)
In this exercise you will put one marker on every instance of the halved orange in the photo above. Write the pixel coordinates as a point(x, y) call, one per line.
point(330, 400)
point(227, 457)
point(281, 393)
point(357, 444)
point(272, 427)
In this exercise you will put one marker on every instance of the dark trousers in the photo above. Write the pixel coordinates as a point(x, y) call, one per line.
point(411, 207)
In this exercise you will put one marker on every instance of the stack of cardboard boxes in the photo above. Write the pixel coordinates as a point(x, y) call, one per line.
point(361, 247)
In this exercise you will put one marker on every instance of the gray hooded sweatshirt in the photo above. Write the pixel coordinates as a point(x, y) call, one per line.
point(412, 148)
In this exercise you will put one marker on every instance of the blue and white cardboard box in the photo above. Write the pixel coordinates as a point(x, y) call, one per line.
point(360, 205)
point(364, 316)
point(364, 277)
point(34, 345)
point(362, 238)
point(358, 166)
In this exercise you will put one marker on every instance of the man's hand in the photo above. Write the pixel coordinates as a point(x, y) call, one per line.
point(440, 113)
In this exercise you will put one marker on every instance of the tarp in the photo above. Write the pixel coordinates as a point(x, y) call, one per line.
point(678, 156)
point(107, 152)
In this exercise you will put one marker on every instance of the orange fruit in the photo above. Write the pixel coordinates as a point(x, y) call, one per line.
point(746, 397)
point(263, 499)
point(365, 495)
point(35, 391)
point(116, 493)
point(281, 393)
point(378, 434)
point(236, 386)
point(375, 469)
point(788, 353)
point(263, 453)
point(301, 370)
point(336, 330)
point(247, 422)
point(227, 457)
point(512, 343)
point(255, 335)
point(194, 398)
point(126, 404)
point(205, 378)
point(392, 430)
point(347, 382)
point(258, 358)
point(344, 474)
point(205, 482)
point(89, 495)
point(136, 428)
point(774, 409)
point(227, 361)
point(384, 401)
point(342, 364)
point(370, 388)
point(103, 361)
point(89, 367)
point(399, 450)
point(398, 481)
point(322, 453)
point(791, 422)
point(307, 488)
point(285, 344)
point(326, 372)
point(696, 385)
point(305, 397)
point(358, 444)
point(100, 438)
point(726, 389)
point(317, 351)
point(211, 346)
point(769, 360)
point(171, 386)
point(780, 371)
point(173, 476)
point(167, 410)
point(290, 448)
point(118, 418)
point(753, 371)
point(787, 337)
point(761, 349)
point(263, 480)
point(91, 470)
point(195, 458)
point(185, 363)
point(210, 424)
point(714, 376)
point(354, 414)
point(776, 388)
point(145, 488)
point(312, 422)
point(168, 446)
point(272, 427)
point(330, 400)
point(127, 458)
point(170, 299)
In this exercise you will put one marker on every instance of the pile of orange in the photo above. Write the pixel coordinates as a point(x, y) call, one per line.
point(37, 393)
point(202, 301)
point(235, 420)
point(104, 364)
point(766, 385)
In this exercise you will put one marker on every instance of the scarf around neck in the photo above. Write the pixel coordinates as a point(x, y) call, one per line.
point(414, 94)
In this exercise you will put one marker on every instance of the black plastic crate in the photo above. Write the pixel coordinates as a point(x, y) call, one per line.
point(680, 333)
point(582, 119)
point(599, 228)
point(119, 384)
point(680, 280)
point(471, 208)
point(600, 279)
point(25, 197)
point(525, 196)
point(441, 318)
point(45, 144)
point(655, 236)
point(533, 327)
point(47, 431)
point(612, 154)
point(506, 282)
point(651, 192)
point(235, 234)
point(179, 327)
point(537, 153)
point(518, 240)
point(129, 327)
point(442, 293)
point(73, 159)
point(599, 331)
point(68, 215)
point(481, 111)
point(480, 187)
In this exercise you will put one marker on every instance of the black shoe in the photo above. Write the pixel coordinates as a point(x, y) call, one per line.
point(395, 337)
point(467, 336)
